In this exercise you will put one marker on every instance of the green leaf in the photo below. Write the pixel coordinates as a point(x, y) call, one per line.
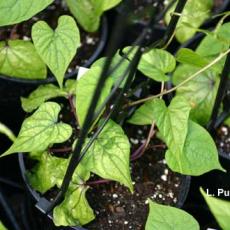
point(40, 130)
point(188, 56)
point(216, 43)
point(200, 91)
point(210, 46)
point(166, 218)
point(40, 95)
point(70, 86)
point(194, 14)
point(57, 47)
point(172, 123)
point(119, 71)
point(109, 155)
point(2, 227)
point(197, 158)
point(74, 210)
point(15, 11)
point(19, 59)
point(185, 139)
point(5, 130)
point(155, 63)
point(143, 115)
point(89, 12)
point(220, 210)
point(86, 86)
point(50, 171)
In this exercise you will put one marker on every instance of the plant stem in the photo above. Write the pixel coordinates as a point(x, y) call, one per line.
point(137, 152)
point(72, 107)
point(13, 31)
point(61, 150)
point(140, 151)
point(96, 182)
point(182, 83)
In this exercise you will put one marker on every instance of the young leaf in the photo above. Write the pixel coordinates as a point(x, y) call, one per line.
point(194, 14)
point(47, 172)
point(15, 11)
point(40, 95)
point(196, 158)
point(219, 208)
point(74, 210)
point(188, 56)
point(50, 171)
point(70, 86)
point(40, 130)
point(88, 12)
point(86, 86)
point(166, 218)
point(57, 47)
point(200, 92)
point(109, 155)
point(119, 71)
point(155, 63)
point(19, 59)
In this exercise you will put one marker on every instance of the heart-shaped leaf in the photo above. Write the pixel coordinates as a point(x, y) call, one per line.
point(41, 130)
point(19, 58)
point(109, 155)
point(166, 218)
point(155, 63)
point(15, 11)
point(57, 47)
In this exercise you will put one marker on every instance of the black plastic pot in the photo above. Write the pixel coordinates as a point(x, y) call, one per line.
point(51, 78)
point(11, 88)
point(185, 186)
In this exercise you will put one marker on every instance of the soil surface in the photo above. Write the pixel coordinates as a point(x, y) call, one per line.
point(223, 139)
point(116, 208)
point(89, 41)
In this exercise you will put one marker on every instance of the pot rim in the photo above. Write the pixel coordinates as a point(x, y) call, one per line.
point(50, 77)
